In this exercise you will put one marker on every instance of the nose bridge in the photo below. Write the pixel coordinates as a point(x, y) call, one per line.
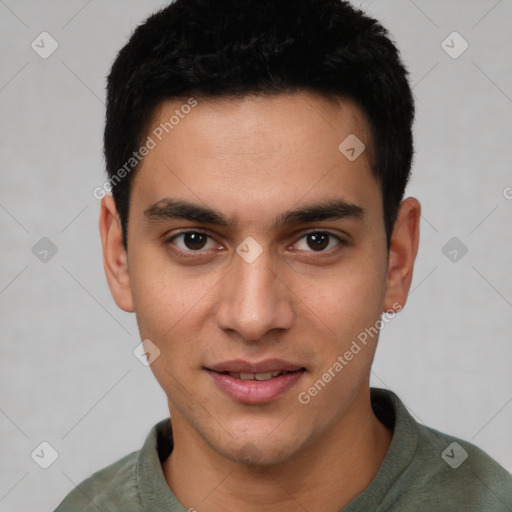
point(255, 278)
point(253, 300)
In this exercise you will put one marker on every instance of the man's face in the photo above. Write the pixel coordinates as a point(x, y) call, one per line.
point(229, 297)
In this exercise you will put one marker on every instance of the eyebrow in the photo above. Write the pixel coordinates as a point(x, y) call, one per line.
point(170, 209)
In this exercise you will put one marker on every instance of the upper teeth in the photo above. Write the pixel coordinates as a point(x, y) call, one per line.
point(255, 376)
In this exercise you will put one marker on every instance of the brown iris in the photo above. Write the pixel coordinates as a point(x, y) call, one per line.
point(318, 240)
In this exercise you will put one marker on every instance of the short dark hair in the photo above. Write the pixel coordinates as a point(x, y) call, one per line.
point(234, 48)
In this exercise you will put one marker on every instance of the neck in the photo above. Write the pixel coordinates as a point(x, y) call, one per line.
point(326, 475)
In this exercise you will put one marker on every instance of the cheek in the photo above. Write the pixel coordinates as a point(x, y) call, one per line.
point(173, 308)
point(162, 298)
point(347, 319)
point(347, 301)
point(168, 308)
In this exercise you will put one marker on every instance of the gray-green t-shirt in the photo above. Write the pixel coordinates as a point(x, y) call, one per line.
point(423, 471)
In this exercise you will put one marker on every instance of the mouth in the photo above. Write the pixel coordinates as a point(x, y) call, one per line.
point(255, 383)
point(255, 376)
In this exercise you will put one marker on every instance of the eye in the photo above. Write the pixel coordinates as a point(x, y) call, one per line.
point(319, 241)
point(191, 241)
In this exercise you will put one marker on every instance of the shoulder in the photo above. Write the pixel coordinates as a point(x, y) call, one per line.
point(131, 483)
point(456, 473)
point(427, 470)
point(114, 485)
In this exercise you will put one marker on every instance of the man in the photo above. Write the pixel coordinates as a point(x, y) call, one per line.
point(258, 154)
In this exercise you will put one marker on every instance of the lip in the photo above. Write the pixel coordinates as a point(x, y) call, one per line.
point(254, 391)
point(268, 365)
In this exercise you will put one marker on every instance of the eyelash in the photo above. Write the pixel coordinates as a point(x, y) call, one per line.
point(199, 253)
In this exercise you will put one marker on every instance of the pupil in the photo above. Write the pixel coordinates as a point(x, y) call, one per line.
point(320, 240)
point(193, 240)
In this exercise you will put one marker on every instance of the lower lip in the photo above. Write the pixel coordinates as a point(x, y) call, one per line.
point(255, 391)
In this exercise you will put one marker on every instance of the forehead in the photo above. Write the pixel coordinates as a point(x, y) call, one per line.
point(257, 152)
point(242, 125)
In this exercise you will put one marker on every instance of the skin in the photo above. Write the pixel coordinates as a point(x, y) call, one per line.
point(252, 159)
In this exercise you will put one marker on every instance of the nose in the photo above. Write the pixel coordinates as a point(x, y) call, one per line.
point(254, 299)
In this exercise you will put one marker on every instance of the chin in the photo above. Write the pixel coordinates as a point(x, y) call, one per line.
point(260, 454)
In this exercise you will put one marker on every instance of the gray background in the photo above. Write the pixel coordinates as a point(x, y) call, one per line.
point(68, 375)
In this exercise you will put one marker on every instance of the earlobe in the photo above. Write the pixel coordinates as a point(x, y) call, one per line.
point(402, 254)
point(115, 258)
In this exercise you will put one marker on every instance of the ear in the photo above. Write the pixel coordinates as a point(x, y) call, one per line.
point(115, 259)
point(402, 254)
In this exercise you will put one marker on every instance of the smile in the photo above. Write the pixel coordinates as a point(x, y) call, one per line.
point(266, 382)
point(255, 376)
